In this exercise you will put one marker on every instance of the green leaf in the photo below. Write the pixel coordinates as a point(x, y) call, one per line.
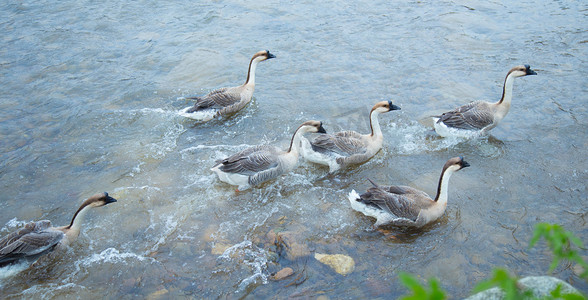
point(561, 243)
point(502, 279)
point(419, 292)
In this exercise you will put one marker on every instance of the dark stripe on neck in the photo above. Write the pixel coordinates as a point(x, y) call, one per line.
point(504, 87)
point(371, 125)
point(440, 181)
point(249, 71)
point(86, 203)
point(292, 140)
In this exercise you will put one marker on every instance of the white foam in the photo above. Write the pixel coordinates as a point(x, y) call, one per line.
point(113, 255)
point(170, 224)
point(11, 224)
point(252, 256)
point(47, 291)
point(413, 138)
point(13, 269)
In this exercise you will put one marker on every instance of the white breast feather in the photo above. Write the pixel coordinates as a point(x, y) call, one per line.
point(445, 131)
point(317, 157)
point(370, 211)
point(200, 115)
point(232, 178)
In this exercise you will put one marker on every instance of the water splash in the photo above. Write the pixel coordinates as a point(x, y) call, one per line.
point(113, 255)
point(248, 254)
point(13, 269)
point(11, 224)
point(49, 291)
point(413, 138)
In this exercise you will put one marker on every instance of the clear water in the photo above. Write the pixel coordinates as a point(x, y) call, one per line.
point(89, 100)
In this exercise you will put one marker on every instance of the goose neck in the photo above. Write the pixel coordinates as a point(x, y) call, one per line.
point(375, 124)
point(442, 188)
point(78, 218)
point(295, 142)
point(251, 72)
point(507, 90)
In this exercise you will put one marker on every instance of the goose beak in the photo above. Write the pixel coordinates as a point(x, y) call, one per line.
point(269, 55)
point(464, 164)
point(394, 107)
point(109, 200)
point(321, 129)
point(529, 71)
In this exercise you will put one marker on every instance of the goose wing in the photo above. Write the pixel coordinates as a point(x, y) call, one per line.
point(251, 160)
point(34, 239)
point(343, 143)
point(271, 172)
point(403, 189)
point(216, 99)
point(405, 206)
point(472, 116)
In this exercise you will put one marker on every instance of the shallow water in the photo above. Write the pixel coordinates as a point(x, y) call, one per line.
point(89, 98)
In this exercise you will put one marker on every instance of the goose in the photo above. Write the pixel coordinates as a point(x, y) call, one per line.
point(261, 163)
point(403, 205)
point(39, 238)
point(347, 147)
point(479, 117)
point(226, 101)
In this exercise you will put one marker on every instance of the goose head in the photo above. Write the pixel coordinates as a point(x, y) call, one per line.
point(520, 71)
point(99, 200)
point(312, 126)
point(263, 55)
point(384, 106)
point(455, 164)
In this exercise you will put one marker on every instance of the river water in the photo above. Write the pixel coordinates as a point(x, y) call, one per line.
point(89, 102)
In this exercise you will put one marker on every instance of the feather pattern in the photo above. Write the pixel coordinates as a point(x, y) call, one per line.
point(255, 165)
point(36, 238)
point(225, 101)
point(473, 116)
point(405, 206)
point(342, 143)
point(218, 99)
point(251, 160)
point(348, 147)
point(480, 116)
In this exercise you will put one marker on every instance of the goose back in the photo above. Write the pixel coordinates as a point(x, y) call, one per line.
point(31, 241)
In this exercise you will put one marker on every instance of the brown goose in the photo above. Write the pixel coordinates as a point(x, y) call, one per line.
point(39, 238)
point(480, 116)
point(348, 147)
point(258, 164)
point(226, 101)
point(403, 205)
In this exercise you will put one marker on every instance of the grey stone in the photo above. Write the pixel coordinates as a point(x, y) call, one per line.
point(540, 285)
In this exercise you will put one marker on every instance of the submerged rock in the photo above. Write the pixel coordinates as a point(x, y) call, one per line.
point(283, 273)
point(342, 264)
point(159, 294)
point(541, 286)
point(219, 248)
point(292, 242)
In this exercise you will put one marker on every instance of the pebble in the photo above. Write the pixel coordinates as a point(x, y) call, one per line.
point(578, 270)
point(157, 294)
point(342, 264)
point(219, 248)
point(294, 249)
point(283, 273)
point(208, 233)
